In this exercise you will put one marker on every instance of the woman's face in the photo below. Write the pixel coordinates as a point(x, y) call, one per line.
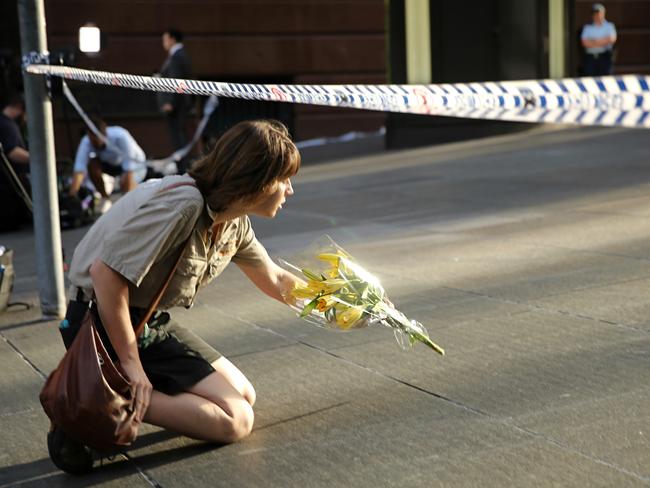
point(269, 203)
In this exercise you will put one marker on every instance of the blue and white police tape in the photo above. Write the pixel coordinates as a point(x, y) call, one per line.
point(608, 100)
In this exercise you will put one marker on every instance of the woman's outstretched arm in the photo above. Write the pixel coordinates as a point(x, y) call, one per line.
point(271, 278)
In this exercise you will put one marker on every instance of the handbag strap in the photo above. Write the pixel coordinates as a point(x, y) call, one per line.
point(156, 299)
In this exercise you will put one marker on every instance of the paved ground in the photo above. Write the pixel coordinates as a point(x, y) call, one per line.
point(527, 256)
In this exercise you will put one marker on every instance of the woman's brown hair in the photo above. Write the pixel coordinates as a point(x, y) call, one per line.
point(245, 162)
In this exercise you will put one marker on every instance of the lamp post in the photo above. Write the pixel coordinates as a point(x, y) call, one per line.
point(47, 233)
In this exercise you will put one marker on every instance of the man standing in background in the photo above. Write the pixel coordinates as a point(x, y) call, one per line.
point(174, 105)
point(598, 40)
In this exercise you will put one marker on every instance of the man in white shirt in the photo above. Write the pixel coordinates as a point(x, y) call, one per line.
point(117, 155)
point(598, 40)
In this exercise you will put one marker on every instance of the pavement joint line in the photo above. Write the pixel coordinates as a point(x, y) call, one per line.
point(27, 323)
point(341, 358)
point(244, 354)
point(24, 358)
point(533, 307)
point(530, 432)
point(493, 418)
point(143, 473)
point(538, 307)
point(297, 417)
point(581, 251)
point(593, 287)
point(469, 408)
point(369, 342)
point(578, 452)
point(20, 412)
point(28, 480)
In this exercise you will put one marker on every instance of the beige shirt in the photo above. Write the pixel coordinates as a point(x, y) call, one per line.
point(142, 234)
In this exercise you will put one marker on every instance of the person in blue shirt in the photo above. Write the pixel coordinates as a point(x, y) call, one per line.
point(598, 40)
point(117, 155)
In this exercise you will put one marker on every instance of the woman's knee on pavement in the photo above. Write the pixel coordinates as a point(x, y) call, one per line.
point(235, 378)
point(249, 394)
point(236, 424)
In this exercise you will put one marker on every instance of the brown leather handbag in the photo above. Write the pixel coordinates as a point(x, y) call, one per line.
point(87, 395)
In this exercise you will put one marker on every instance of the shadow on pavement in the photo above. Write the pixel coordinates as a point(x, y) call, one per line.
point(42, 473)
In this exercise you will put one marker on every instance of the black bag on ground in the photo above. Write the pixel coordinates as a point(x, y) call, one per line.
point(78, 210)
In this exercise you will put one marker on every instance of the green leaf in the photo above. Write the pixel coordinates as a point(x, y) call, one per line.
point(311, 275)
point(309, 307)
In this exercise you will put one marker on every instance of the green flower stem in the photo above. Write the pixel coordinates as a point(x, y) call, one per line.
point(426, 341)
point(399, 321)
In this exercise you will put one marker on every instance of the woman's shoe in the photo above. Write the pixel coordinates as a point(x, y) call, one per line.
point(67, 454)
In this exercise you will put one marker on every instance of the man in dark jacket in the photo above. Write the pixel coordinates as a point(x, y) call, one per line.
point(10, 136)
point(12, 210)
point(175, 106)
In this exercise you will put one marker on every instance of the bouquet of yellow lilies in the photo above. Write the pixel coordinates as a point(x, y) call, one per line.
point(341, 294)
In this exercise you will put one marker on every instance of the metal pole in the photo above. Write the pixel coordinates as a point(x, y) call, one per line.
point(557, 39)
point(418, 41)
point(49, 264)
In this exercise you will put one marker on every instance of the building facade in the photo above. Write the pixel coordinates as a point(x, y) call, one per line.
point(321, 41)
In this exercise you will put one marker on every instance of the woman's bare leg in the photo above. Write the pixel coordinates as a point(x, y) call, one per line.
point(235, 377)
point(216, 409)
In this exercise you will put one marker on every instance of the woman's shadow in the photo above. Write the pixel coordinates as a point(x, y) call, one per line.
point(42, 473)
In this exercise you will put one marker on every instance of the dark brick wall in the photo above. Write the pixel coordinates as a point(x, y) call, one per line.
point(326, 41)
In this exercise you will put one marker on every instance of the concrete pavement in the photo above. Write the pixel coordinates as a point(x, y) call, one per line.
point(528, 258)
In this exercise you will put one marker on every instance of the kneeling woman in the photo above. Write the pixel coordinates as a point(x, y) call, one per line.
point(180, 382)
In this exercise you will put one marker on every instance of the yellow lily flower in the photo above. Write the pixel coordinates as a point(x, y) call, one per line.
point(303, 292)
point(333, 272)
point(348, 317)
point(333, 259)
point(326, 286)
point(325, 303)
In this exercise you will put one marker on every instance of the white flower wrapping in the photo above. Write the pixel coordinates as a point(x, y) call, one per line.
point(338, 293)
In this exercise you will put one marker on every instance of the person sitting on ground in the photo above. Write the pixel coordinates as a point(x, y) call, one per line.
point(13, 145)
point(117, 155)
point(13, 211)
point(179, 381)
